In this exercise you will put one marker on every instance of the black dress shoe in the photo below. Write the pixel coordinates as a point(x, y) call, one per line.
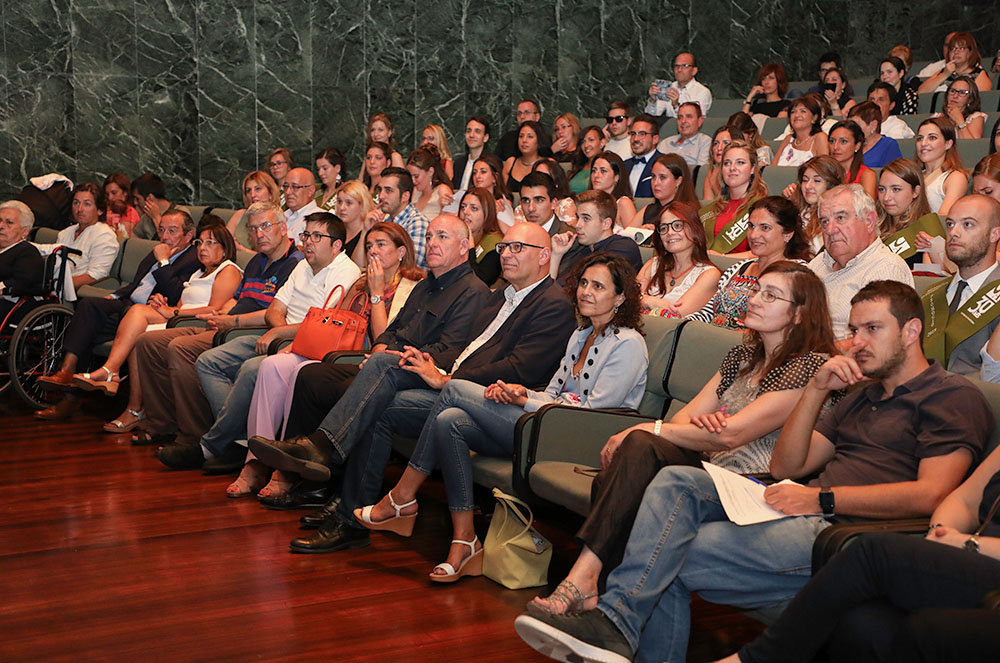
point(298, 455)
point(333, 535)
point(302, 495)
point(231, 460)
point(315, 519)
point(181, 456)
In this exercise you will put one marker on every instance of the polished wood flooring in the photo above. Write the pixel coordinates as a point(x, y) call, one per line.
point(108, 556)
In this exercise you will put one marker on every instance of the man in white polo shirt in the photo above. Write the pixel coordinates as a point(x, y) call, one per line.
point(300, 194)
point(228, 372)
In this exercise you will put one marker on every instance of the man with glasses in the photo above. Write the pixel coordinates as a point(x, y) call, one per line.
point(619, 118)
point(689, 143)
point(517, 337)
point(644, 136)
point(527, 109)
point(300, 193)
point(162, 272)
point(684, 89)
point(176, 407)
point(228, 372)
point(594, 232)
point(395, 205)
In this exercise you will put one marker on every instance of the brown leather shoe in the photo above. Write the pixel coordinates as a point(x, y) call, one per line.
point(60, 381)
point(61, 411)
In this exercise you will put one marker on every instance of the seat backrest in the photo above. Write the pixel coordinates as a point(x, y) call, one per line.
point(45, 235)
point(921, 283)
point(773, 126)
point(778, 177)
point(971, 150)
point(243, 258)
point(135, 250)
point(641, 203)
point(700, 349)
point(660, 334)
point(992, 392)
point(724, 262)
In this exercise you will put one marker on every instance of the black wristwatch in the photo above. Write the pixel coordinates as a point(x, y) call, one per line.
point(972, 543)
point(826, 501)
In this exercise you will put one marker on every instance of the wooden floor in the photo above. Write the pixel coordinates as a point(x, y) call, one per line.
point(108, 556)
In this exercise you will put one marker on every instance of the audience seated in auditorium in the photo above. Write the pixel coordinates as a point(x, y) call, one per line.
point(892, 71)
point(767, 96)
point(670, 180)
point(806, 138)
point(619, 120)
point(609, 173)
point(814, 178)
point(159, 279)
point(433, 134)
point(176, 408)
point(257, 187)
point(354, 208)
point(751, 134)
point(853, 255)
point(643, 137)
point(759, 382)
point(986, 177)
point(477, 135)
point(721, 138)
point(847, 144)
point(121, 216)
point(962, 106)
point(532, 145)
point(892, 449)
point(331, 168)
point(725, 218)
point(467, 417)
point(395, 205)
point(594, 233)
point(478, 211)
point(684, 88)
point(527, 110)
point(945, 179)
point(878, 149)
point(279, 163)
point(689, 142)
point(149, 197)
point(514, 339)
point(21, 265)
point(836, 94)
point(679, 279)
point(774, 233)
point(565, 138)
point(299, 188)
point(431, 188)
point(885, 97)
point(487, 174)
point(907, 223)
point(206, 291)
point(591, 144)
point(961, 58)
point(228, 372)
point(389, 278)
point(828, 61)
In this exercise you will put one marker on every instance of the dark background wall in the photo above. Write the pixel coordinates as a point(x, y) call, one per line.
point(201, 91)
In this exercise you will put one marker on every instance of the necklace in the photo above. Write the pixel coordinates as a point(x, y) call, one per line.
point(673, 278)
point(797, 143)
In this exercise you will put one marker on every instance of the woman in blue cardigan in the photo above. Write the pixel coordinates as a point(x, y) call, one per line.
point(604, 366)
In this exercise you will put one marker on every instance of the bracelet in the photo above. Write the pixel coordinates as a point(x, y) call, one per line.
point(934, 527)
point(237, 321)
point(657, 426)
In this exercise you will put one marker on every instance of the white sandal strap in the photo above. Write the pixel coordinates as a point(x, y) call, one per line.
point(366, 515)
point(141, 414)
point(399, 507)
point(446, 567)
point(471, 544)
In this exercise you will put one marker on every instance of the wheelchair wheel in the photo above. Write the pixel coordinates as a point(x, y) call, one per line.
point(36, 350)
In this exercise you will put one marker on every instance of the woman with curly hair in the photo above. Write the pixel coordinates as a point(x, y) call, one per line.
point(604, 366)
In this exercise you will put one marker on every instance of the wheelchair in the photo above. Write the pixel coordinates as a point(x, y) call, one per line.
point(31, 335)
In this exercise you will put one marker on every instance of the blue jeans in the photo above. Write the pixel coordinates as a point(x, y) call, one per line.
point(463, 421)
point(682, 542)
point(228, 374)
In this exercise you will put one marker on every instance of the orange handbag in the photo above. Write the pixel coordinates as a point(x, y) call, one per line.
point(325, 330)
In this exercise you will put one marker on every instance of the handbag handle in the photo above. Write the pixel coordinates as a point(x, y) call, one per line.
point(327, 300)
point(365, 303)
point(513, 503)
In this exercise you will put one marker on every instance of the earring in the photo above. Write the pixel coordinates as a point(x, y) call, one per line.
point(616, 308)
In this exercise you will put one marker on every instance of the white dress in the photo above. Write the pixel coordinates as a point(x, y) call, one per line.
point(197, 290)
point(935, 192)
point(678, 290)
point(793, 157)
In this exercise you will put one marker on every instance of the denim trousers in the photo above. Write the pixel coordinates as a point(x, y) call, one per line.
point(228, 374)
point(682, 542)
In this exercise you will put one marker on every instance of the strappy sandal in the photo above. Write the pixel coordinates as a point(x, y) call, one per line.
point(470, 566)
point(117, 426)
point(108, 386)
point(566, 594)
point(243, 486)
point(400, 524)
point(275, 488)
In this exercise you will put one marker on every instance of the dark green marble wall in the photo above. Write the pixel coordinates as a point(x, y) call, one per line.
point(201, 91)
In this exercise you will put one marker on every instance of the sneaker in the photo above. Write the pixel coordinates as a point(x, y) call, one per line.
point(586, 636)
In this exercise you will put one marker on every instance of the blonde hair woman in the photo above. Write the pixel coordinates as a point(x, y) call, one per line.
point(258, 187)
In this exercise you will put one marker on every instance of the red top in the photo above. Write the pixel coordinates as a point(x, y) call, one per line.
point(725, 216)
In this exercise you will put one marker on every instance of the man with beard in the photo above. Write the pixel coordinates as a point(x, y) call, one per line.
point(962, 314)
point(893, 448)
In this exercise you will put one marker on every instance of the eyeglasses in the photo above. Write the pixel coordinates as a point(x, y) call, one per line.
point(676, 225)
point(767, 296)
point(640, 134)
point(961, 93)
point(277, 163)
point(264, 227)
point(612, 119)
point(286, 186)
point(315, 236)
point(515, 247)
point(207, 242)
point(522, 113)
point(680, 65)
point(170, 230)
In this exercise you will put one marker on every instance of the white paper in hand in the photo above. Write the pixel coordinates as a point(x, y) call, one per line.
point(742, 498)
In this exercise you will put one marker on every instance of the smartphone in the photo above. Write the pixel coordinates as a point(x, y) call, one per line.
point(832, 87)
point(663, 85)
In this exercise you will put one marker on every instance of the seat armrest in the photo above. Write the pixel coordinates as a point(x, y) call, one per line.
point(185, 321)
point(227, 335)
point(349, 357)
point(836, 537)
point(278, 344)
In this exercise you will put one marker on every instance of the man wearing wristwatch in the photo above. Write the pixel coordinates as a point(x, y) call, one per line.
point(891, 448)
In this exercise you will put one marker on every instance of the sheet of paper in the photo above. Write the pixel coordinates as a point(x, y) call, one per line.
point(742, 498)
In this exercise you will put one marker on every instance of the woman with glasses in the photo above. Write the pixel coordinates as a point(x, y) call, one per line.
point(679, 279)
point(733, 422)
point(387, 281)
point(258, 187)
point(279, 163)
point(206, 292)
point(962, 59)
point(591, 145)
point(604, 366)
point(565, 138)
point(962, 105)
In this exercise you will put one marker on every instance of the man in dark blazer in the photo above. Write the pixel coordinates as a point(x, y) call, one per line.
point(538, 201)
point(477, 135)
point(644, 135)
point(162, 273)
point(518, 337)
point(21, 265)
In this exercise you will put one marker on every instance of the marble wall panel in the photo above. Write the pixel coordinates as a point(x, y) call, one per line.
point(284, 119)
point(338, 43)
point(708, 39)
point(440, 48)
point(534, 67)
point(581, 60)
point(40, 124)
point(37, 37)
point(484, 74)
point(338, 121)
point(103, 41)
point(107, 125)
